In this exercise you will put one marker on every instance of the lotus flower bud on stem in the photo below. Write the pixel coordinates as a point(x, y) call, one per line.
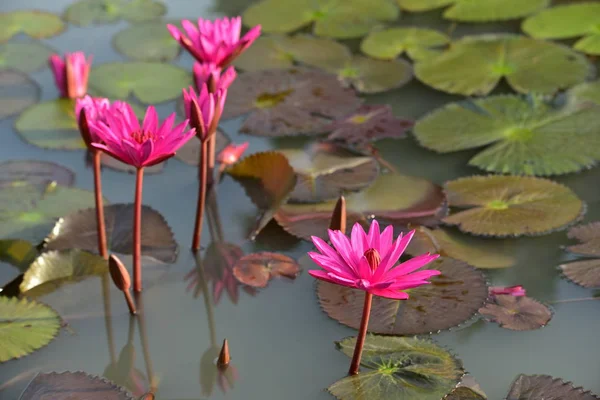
point(224, 358)
point(122, 280)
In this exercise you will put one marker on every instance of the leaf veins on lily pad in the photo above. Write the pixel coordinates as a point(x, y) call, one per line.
point(401, 368)
point(524, 136)
point(86, 12)
point(325, 171)
point(73, 385)
point(518, 313)
point(147, 41)
point(26, 56)
point(17, 92)
point(585, 273)
point(537, 387)
point(395, 198)
point(258, 269)
point(34, 23)
point(452, 298)
point(503, 206)
point(35, 173)
point(474, 65)
point(296, 101)
point(78, 231)
point(25, 326)
point(389, 44)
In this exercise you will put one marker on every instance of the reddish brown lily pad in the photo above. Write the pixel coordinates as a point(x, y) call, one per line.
point(35, 172)
point(451, 299)
point(518, 313)
point(589, 236)
point(297, 101)
point(258, 269)
point(190, 152)
point(537, 387)
point(585, 273)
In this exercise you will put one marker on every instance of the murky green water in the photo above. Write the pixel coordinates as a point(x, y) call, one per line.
point(281, 342)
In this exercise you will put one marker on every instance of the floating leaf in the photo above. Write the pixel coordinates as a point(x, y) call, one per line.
point(534, 387)
point(34, 23)
point(86, 12)
point(394, 198)
point(149, 82)
point(399, 368)
point(452, 298)
point(478, 11)
point(288, 102)
point(518, 313)
point(267, 52)
point(147, 41)
point(268, 180)
point(17, 92)
point(25, 326)
point(78, 231)
point(258, 269)
point(568, 21)
point(341, 19)
point(325, 171)
point(585, 273)
point(588, 91)
point(464, 393)
point(73, 385)
point(190, 152)
point(24, 56)
point(35, 173)
point(391, 43)
point(367, 124)
point(18, 253)
point(474, 65)
point(502, 206)
point(525, 136)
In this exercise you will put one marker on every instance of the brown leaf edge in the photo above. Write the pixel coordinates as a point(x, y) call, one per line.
point(96, 378)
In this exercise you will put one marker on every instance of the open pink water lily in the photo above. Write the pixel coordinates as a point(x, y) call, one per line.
point(204, 71)
point(232, 153)
point(207, 108)
point(215, 42)
point(121, 136)
point(351, 262)
point(95, 108)
point(517, 291)
point(71, 73)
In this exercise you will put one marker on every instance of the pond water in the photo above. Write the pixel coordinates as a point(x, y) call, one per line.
point(282, 344)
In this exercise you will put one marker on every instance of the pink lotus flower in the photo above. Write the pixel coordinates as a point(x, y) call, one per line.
point(204, 71)
point(121, 136)
point(71, 74)
point(232, 153)
point(208, 109)
point(95, 107)
point(215, 42)
point(367, 262)
point(517, 291)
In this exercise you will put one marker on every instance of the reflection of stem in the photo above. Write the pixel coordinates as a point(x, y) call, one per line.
point(137, 231)
point(214, 220)
point(144, 339)
point(574, 300)
point(207, 301)
point(201, 196)
point(100, 226)
point(108, 318)
point(362, 335)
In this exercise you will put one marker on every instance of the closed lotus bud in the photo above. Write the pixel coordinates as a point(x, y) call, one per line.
point(119, 273)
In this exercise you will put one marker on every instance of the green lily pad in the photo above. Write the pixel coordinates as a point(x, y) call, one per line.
point(147, 41)
point(267, 52)
point(474, 65)
point(150, 82)
point(478, 11)
point(451, 299)
point(391, 43)
point(525, 136)
point(400, 368)
point(533, 387)
point(87, 12)
point(18, 253)
point(73, 385)
point(34, 23)
point(588, 91)
point(340, 19)
point(518, 313)
point(568, 21)
point(25, 326)
point(17, 92)
point(395, 198)
point(325, 171)
point(24, 56)
point(35, 173)
point(503, 206)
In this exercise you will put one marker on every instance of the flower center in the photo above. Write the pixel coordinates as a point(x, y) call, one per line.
point(142, 136)
point(373, 258)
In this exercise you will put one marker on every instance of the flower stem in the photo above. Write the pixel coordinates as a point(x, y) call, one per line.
point(100, 226)
point(201, 196)
point(137, 231)
point(362, 334)
point(212, 146)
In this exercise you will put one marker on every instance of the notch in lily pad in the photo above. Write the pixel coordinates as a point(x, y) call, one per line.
point(418, 43)
point(34, 23)
point(148, 41)
point(87, 12)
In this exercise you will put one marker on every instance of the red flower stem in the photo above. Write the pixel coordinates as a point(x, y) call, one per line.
point(212, 146)
point(201, 196)
point(137, 231)
point(100, 226)
point(362, 334)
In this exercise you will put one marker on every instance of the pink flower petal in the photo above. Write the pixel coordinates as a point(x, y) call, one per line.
point(411, 265)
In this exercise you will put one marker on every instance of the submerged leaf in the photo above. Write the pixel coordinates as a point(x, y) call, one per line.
point(258, 269)
point(534, 387)
point(147, 41)
point(35, 173)
point(452, 298)
point(17, 92)
point(502, 206)
point(518, 313)
point(86, 12)
point(34, 23)
point(390, 43)
point(25, 326)
point(73, 385)
point(28, 56)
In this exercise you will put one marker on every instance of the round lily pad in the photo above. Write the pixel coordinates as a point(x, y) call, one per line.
point(86, 12)
point(34, 23)
point(35, 173)
point(147, 41)
point(73, 385)
point(546, 387)
point(452, 298)
point(518, 313)
point(568, 21)
point(393, 198)
point(400, 368)
point(478, 11)
point(24, 56)
point(325, 171)
point(418, 43)
point(25, 326)
point(511, 205)
point(523, 136)
point(190, 152)
point(258, 269)
point(267, 52)
point(150, 82)
point(17, 92)
point(474, 65)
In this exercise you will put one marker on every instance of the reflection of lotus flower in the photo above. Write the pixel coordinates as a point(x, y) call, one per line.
point(203, 71)
point(517, 291)
point(232, 153)
point(367, 262)
point(71, 73)
point(209, 110)
point(124, 373)
point(210, 373)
